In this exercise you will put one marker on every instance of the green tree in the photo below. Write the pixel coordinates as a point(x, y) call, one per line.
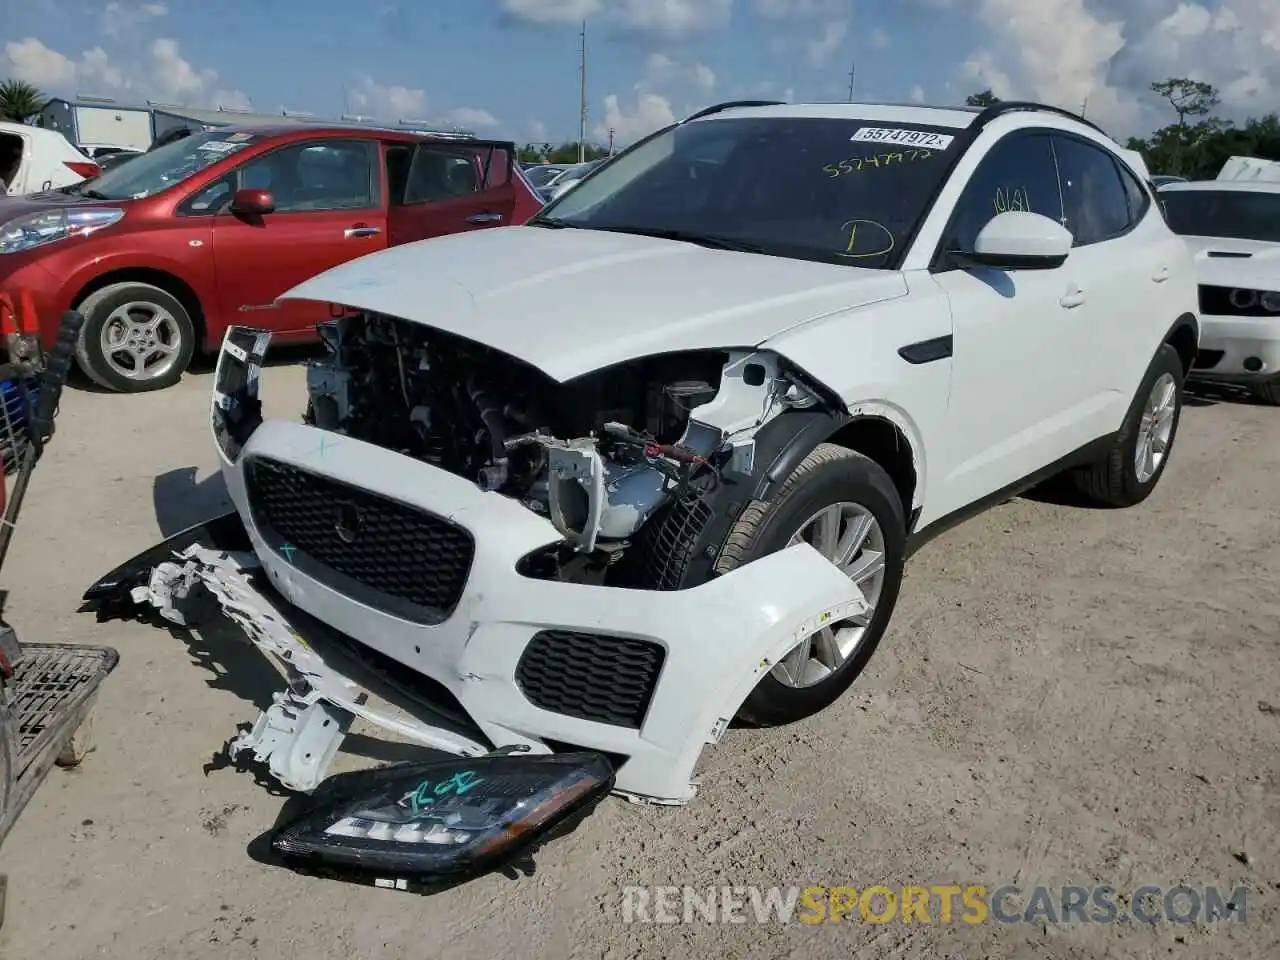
point(983, 98)
point(1189, 98)
point(568, 152)
point(19, 101)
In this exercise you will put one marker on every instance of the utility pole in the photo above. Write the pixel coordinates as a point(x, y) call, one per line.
point(1084, 106)
point(853, 69)
point(611, 141)
point(582, 98)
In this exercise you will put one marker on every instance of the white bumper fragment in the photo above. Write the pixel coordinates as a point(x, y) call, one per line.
point(718, 639)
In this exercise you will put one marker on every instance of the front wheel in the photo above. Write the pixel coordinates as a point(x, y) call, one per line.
point(1268, 393)
point(135, 338)
point(845, 505)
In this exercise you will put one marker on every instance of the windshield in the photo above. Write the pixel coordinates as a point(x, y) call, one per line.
point(1231, 214)
point(149, 173)
point(832, 190)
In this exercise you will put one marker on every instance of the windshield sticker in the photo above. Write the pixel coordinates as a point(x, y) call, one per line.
point(220, 146)
point(854, 164)
point(867, 239)
point(906, 138)
point(239, 137)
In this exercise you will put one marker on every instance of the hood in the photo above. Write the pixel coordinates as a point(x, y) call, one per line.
point(13, 207)
point(573, 301)
point(1222, 262)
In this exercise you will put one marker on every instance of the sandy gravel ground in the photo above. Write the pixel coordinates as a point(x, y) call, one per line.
point(1066, 696)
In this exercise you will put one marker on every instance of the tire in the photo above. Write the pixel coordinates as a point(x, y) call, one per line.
point(830, 475)
point(1268, 393)
point(1115, 481)
point(177, 330)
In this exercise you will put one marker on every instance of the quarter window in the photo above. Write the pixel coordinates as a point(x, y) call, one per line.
point(1094, 196)
point(1018, 173)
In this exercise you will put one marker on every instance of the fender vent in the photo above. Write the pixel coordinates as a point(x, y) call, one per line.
point(591, 676)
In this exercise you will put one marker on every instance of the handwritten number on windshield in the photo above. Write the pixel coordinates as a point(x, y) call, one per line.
point(874, 162)
point(867, 239)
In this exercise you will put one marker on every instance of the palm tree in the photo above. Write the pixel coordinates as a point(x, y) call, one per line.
point(20, 100)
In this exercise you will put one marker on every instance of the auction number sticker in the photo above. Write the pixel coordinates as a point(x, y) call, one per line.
point(903, 138)
point(220, 146)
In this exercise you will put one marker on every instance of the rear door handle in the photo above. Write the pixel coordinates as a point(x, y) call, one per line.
point(361, 232)
point(485, 218)
point(1161, 275)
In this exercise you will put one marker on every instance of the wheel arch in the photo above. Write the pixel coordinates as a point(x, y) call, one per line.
point(170, 283)
point(1184, 336)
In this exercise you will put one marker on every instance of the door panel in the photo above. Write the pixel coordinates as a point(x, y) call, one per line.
point(450, 188)
point(328, 211)
point(1015, 396)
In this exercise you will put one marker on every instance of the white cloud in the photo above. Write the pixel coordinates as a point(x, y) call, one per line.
point(157, 72)
point(119, 18)
point(1109, 53)
point(472, 118)
point(629, 123)
point(879, 39)
point(819, 51)
point(537, 132)
point(662, 72)
point(387, 101)
point(657, 18)
point(917, 94)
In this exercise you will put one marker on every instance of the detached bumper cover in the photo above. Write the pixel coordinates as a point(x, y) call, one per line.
point(713, 642)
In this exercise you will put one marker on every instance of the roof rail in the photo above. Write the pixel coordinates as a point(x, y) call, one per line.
point(1029, 106)
point(731, 104)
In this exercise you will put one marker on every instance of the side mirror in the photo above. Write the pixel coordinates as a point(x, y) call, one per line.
point(1016, 240)
point(254, 203)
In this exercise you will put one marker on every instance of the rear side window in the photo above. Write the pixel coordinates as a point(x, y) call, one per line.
point(1094, 196)
point(1018, 173)
point(1232, 214)
point(440, 172)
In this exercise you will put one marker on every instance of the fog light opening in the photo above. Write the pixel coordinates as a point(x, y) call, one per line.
point(1253, 364)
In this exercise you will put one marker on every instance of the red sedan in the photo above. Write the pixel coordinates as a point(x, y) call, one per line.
point(163, 253)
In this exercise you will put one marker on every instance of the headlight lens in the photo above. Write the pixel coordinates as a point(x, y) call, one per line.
point(1271, 302)
point(38, 229)
point(237, 410)
point(1243, 299)
point(416, 825)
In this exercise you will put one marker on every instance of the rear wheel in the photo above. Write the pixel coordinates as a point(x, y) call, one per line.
point(135, 338)
point(845, 505)
point(1137, 459)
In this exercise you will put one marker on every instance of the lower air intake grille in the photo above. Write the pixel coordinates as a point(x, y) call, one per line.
point(381, 552)
point(591, 676)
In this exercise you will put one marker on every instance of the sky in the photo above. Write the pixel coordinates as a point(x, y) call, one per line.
point(509, 68)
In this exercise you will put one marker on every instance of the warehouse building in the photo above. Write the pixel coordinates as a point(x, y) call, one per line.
point(101, 121)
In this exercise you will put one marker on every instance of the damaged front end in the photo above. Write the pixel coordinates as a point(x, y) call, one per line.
point(541, 552)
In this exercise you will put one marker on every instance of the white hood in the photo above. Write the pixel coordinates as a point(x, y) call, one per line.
point(1251, 264)
point(572, 301)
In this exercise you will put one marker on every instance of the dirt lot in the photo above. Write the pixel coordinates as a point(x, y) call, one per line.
point(1066, 696)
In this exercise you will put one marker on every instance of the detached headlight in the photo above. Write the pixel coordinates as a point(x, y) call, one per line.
point(37, 229)
point(423, 825)
point(1270, 302)
point(237, 410)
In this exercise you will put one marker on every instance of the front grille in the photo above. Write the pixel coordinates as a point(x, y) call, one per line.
point(591, 676)
point(381, 552)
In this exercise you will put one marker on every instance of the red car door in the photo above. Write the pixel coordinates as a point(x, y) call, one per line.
point(442, 187)
point(328, 210)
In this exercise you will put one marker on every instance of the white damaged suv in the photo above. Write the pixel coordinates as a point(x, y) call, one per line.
point(656, 459)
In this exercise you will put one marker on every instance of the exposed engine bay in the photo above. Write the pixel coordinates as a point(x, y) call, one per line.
point(598, 455)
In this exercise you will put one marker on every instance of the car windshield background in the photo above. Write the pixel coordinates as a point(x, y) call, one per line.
point(1230, 214)
point(832, 190)
point(149, 173)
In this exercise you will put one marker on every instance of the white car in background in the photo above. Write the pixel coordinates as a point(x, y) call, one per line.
point(801, 340)
point(1233, 229)
point(33, 159)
